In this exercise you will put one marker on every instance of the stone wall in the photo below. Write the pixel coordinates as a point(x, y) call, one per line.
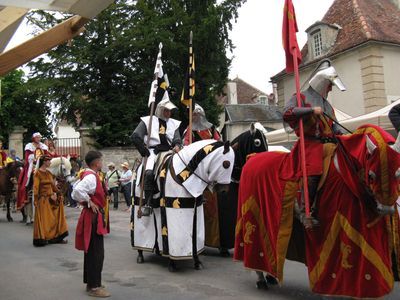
point(118, 155)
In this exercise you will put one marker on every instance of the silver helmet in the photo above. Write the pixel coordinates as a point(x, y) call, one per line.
point(324, 79)
point(200, 121)
point(164, 104)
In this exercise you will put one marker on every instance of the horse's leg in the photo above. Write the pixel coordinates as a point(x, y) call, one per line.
point(14, 203)
point(172, 266)
point(197, 263)
point(271, 280)
point(8, 200)
point(4, 202)
point(261, 282)
point(140, 258)
point(224, 252)
point(24, 219)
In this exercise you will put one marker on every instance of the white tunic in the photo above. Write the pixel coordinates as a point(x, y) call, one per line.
point(172, 126)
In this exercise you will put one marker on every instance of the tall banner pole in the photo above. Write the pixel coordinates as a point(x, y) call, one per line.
point(293, 56)
point(190, 89)
point(301, 131)
point(152, 110)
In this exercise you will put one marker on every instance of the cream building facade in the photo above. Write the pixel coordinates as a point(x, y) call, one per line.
point(362, 39)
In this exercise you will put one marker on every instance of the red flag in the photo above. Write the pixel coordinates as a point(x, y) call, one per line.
point(289, 30)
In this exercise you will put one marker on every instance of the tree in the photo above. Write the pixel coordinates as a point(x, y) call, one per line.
point(105, 74)
point(20, 106)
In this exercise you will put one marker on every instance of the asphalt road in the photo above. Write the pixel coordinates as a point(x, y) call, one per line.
point(55, 271)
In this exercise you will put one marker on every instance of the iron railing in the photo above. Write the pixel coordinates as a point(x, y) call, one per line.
point(68, 146)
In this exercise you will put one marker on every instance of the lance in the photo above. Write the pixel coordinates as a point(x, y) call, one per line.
point(190, 87)
point(152, 109)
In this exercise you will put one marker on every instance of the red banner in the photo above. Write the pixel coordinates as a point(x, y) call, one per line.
point(289, 30)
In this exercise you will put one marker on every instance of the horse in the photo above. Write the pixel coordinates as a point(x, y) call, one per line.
point(357, 240)
point(8, 177)
point(176, 227)
point(221, 211)
point(60, 167)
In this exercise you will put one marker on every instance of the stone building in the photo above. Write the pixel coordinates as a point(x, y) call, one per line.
point(362, 39)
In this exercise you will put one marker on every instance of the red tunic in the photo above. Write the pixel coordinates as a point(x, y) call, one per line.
point(84, 227)
point(24, 176)
point(315, 128)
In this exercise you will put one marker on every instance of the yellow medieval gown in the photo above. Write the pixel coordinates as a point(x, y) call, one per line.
point(50, 225)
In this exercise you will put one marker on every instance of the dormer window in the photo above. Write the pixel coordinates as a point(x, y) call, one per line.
point(317, 39)
point(262, 100)
point(321, 38)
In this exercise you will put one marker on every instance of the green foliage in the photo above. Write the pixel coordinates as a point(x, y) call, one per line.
point(21, 106)
point(105, 74)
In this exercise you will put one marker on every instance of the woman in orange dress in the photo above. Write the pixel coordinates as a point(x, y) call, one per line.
point(50, 225)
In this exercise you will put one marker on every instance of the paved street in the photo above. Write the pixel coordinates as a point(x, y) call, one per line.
point(55, 271)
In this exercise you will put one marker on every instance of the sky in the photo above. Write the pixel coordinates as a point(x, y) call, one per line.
point(257, 37)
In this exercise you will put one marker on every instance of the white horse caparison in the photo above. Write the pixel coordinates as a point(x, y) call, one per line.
point(182, 181)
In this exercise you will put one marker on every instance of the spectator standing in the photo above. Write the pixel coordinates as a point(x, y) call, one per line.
point(13, 156)
point(126, 184)
point(112, 180)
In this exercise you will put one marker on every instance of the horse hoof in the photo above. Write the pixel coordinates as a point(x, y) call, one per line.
point(224, 253)
point(271, 280)
point(140, 259)
point(262, 285)
point(172, 267)
point(198, 266)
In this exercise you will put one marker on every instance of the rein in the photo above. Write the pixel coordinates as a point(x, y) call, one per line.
point(194, 163)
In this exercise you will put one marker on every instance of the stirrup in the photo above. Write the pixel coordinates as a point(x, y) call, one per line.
point(310, 222)
point(147, 211)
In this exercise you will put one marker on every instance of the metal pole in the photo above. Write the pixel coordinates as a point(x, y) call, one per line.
point(302, 143)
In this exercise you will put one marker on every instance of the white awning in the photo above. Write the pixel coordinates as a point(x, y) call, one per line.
point(12, 12)
point(84, 8)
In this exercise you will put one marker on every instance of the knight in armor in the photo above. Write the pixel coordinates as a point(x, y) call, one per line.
point(201, 128)
point(319, 130)
point(33, 151)
point(165, 136)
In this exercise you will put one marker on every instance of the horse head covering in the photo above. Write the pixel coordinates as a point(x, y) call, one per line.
point(164, 104)
point(200, 122)
point(324, 78)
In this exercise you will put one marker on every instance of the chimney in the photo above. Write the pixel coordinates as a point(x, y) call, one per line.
point(275, 91)
point(232, 93)
point(396, 2)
